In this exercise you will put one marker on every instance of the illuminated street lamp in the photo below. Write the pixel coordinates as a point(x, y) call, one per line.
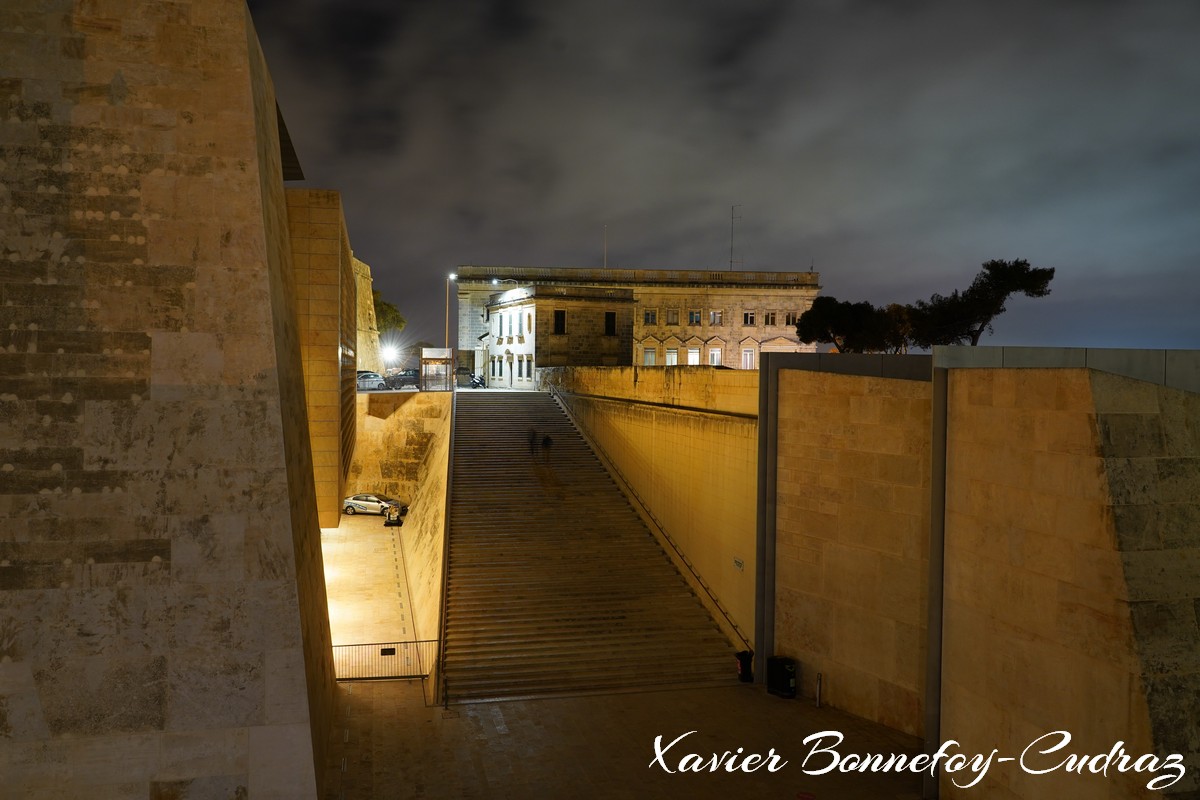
point(449, 278)
point(390, 354)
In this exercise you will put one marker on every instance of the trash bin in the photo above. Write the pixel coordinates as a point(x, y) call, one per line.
point(781, 676)
point(745, 659)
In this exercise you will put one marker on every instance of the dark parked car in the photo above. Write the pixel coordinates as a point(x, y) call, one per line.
point(405, 377)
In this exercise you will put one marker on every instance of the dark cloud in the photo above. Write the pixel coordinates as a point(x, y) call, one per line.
point(897, 145)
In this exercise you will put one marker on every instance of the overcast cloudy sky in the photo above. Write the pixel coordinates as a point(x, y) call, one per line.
point(894, 144)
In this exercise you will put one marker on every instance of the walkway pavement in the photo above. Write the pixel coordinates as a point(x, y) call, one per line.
point(388, 745)
point(365, 582)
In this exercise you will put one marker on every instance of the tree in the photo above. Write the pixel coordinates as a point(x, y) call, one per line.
point(850, 327)
point(963, 317)
point(387, 316)
point(956, 318)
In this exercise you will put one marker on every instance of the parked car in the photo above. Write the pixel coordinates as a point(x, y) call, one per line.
point(371, 504)
point(405, 377)
point(370, 380)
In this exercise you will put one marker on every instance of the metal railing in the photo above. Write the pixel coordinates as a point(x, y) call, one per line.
point(356, 662)
point(441, 691)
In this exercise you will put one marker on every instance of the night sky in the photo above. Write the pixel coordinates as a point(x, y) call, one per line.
point(894, 145)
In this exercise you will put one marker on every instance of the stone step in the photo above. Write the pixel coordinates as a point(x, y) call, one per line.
point(554, 583)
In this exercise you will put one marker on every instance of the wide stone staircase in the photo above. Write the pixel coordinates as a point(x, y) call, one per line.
point(555, 585)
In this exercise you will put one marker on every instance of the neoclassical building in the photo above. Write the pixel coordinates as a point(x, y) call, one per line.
point(515, 319)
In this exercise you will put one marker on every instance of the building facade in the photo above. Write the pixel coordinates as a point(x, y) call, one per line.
point(516, 319)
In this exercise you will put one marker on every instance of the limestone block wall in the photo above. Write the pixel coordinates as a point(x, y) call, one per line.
point(403, 450)
point(692, 466)
point(423, 536)
point(162, 627)
point(721, 390)
point(367, 347)
point(1038, 630)
point(327, 309)
point(396, 431)
point(584, 341)
point(852, 522)
point(1150, 442)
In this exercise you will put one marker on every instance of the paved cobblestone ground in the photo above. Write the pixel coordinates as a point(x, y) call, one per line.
point(388, 744)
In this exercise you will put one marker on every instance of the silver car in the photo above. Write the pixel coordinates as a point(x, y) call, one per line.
point(371, 380)
point(369, 504)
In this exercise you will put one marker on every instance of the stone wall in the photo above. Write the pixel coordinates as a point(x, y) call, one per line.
point(367, 349)
point(423, 537)
point(584, 342)
point(162, 620)
point(404, 450)
point(687, 448)
point(725, 391)
point(327, 310)
point(396, 431)
point(1150, 442)
point(852, 540)
point(1038, 633)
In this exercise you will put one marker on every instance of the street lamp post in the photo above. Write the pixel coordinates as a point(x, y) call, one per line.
point(449, 278)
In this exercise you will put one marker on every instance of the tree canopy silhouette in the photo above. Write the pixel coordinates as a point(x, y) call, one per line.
point(957, 318)
point(387, 316)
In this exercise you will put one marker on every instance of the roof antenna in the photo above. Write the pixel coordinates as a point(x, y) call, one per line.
point(732, 218)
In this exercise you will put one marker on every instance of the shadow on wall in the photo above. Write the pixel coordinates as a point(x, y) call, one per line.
point(396, 431)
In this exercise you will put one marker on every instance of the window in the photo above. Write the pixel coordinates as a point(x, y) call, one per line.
point(694, 317)
point(791, 318)
point(768, 318)
point(672, 356)
point(649, 356)
point(610, 323)
point(520, 324)
point(529, 366)
point(716, 318)
point(493, 367)
point(693, 356)
point(714, 357)
point(748, 358)
point(529, 323)
point(672, 316)
point(748, 318)
point(499, 324)
point(560, 321)
point(650, 316)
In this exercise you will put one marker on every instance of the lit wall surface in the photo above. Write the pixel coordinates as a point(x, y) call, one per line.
point(162, 606)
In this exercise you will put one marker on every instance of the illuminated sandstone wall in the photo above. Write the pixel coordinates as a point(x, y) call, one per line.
point(403, 450)
point(162, 620)
point(1150, 440)
point(327, 313)
point(1038, 629)
point(367, 348)
point(852, 540)
point(687, 445)
point(396, 431)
